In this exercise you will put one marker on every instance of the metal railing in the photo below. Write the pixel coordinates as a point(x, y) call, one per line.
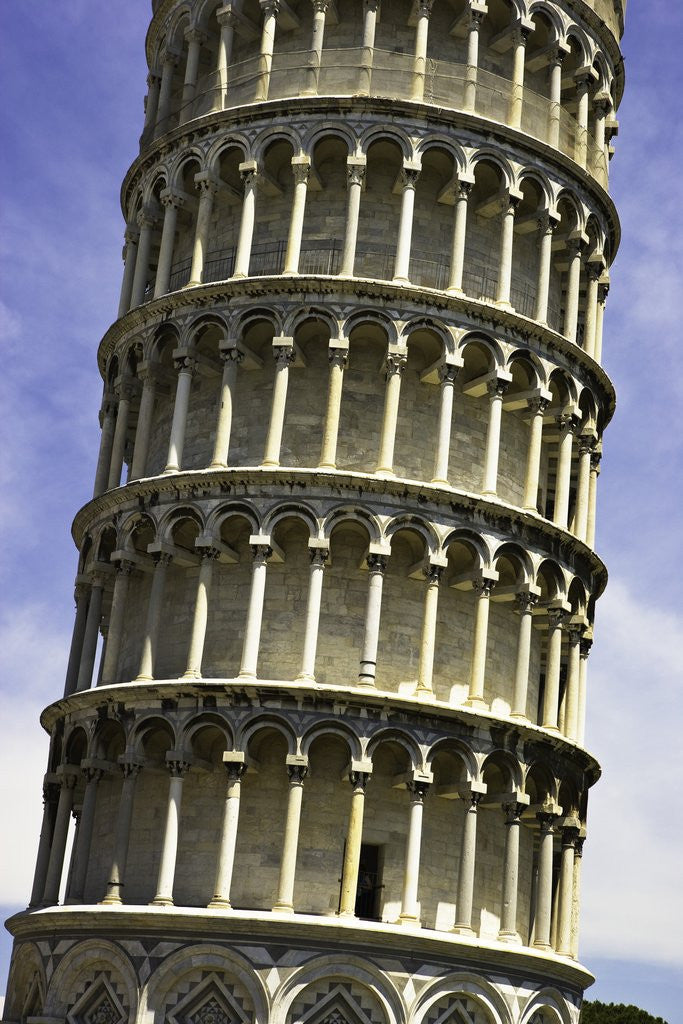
point(352, 71)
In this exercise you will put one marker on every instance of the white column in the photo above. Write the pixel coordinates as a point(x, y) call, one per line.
point(571, 718)
point(586, 448)
point(81, 596)
point(508, 914)
point(270, 10)
point(555, 110)
point(186, 368)
point(169, 848)
point(567, 427)
point(110, 662)
point(519, 39)
point(171, 202)
point(301, 167)
point(394, 366)
point(354, 838)
point(537, 407)
point(226, 20)
point(566, 891)
point(410, 914)
point(165, 89)
point(59, 835)
point(118, 448)
point(144, 424)
point(576, 894)
point(425, 667)
point(409, 176)
point(546, 227)
point(581, 151)
point(92, 776)
point(593, 497)
point(246, 234)
point(117, 871)
point(584, 651)
point(370, 8)
point(92, 629)
point(593, 274)
point(471, 71)
point(318, 558)
point(468, 854)
point(447, 376)
point(194, 38)
point(603, 290)
point(571, 309)
point(551, 698)
point(226, 855)
point(422, 12)
point(201, 614)
point(368, 660)
point(152, 100)
point(146, 221)
point(355, 169)
point(108, 420)
point(132, 237)
point(462, 196)
point(232, 358)
point(252, 631)
point(150, 637)
point(207, 190)
point(507, 237)
point(482, 587)
point(338, 359)
point(285, 355)
point(285, 890)
point(544, 882)
point(526, 601)
point(313, 70)
point(50, 798)
point(496, 390)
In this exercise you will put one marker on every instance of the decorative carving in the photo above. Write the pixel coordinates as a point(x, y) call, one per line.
point(409, 176)
point(177, 768)
point(417, 789)
point(395, 363)
point(355, 174)
point(377, 563)
point(284, 356)
point(297, 773)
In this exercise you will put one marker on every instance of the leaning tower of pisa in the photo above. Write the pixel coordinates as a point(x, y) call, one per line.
point(320, 756)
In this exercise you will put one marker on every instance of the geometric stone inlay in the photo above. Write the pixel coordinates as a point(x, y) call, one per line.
point(99, 1004)
point(456, 1009)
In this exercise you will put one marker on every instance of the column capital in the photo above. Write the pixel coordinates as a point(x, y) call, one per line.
point(321, 6)
point(235, 770)
point(568, 423)
point(173, 198)
point(513, 811)
point(261, 552)
point(195, 35)
point(424, 8)
point(359, 780)
point(548, 221)
point(248, 172)
point(409, 174)
point(526, 600)
point(586, 444)
point(226, 16)
point(284, 355)
point(463, 188)
point(123, 566)
point(376, 562)
point(161, 557)
point(417, 789)
point(448, 372)
point(131, 235)
point(394, 363)
point(301, 169)
point(318, 555)
point(558, 615)
point(338, 355)
point(270, 6)
point(355, 169)
point(497, 388)
point(585, 645)
point(146, 217)
point(483, 586)
point(557, 53)
point(297, 773)
point(177, 763)
point(50, 792)
point(185, 364)
point(596, 458)
point(206, 184)
point(170, 58)
point(546, 820)
point(433, 573)
point(153, 78)
point(130, 769)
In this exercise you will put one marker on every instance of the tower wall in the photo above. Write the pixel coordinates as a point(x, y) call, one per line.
point(321, 743)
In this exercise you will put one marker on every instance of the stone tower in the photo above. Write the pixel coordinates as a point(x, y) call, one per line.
point(327, 764)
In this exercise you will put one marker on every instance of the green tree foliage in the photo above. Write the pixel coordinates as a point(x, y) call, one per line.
point(616, 1013)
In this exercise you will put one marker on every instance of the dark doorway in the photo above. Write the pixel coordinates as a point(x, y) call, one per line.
point(369, 882)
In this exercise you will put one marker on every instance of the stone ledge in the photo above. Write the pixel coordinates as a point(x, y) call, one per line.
point(320, 933)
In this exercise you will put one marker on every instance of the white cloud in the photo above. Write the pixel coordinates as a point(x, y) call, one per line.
point(631, 900)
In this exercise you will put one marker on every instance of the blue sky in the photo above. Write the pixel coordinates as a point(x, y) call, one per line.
point(72, 76)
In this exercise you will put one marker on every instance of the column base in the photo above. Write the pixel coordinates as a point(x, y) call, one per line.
point(327, 465)
point(544, 946)
point(519, 716)
point(400, 280)
point(510, 938)
point(476, 702)
point(283, 908)
point(247, 675)
point(170, 470)
point(191, 284)
point(367, 684)
point(305, 677)
point(424, 692)
point(384, 474)
point(144, 679)
point(270, 463)
point(161, 901)
point(409, 921)
point(219, 904)
point(111, 901)
point(218, 465)
point(191, 675)
point(455, 291)
point(551, 728)
point(504, 304)
point(290, 273)
point(463, 929)
point(440, 482)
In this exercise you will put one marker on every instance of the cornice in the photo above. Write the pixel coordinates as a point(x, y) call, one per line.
point(310, 289)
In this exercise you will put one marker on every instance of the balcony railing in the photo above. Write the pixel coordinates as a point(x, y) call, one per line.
point(348, 72)
point(373, 260)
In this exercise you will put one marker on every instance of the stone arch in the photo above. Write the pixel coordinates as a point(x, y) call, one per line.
point(206, 720)
point(194, 327)
point(235, 140)
point(364, 982)
point(152, 728)
point(471, 539)
point(109, 739)
point(259, 721)
point(550, 578)
point(375, 317)
point(138, 523)
point(76, 745)
point(385, 133)
point(298, 318)
point(299, 511)
point(172, 518)
point(350, 513)
point(413, 523)
point(240, 510)
point(404, 740)
point(208, 970)
point(328, 129)
point(185, 158)
point(332, 728)
point(531, 362)
point(432, 1004)
point(249, 318)
point(484, 341)
point(546, 1007)
point(432, 324)
point(93, 973)
point(501, 765)
point(27, 983)
point(456, 749)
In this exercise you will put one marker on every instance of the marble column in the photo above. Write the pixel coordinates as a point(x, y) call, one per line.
point(50, 803)
point(355, 174)
point(584, 651)
point(118, 448)
point(152, 100)
point(596, 456)
point(368, 661)
point(172, 202)
point(232, 358)
point(571, 309)
point(285, 355)
point(462, 195)
point(447, 377)
point(301, 168)
point(92, 629)
point(370, 9)
point(537, 408)
point(235, 770)
point(496, 391)
point(207, 190)
point(567, 427)
point(200, 616)
point(465, 895)
point(338, 359)
point(285, 890)
point(395, 364)
point(409, 176)
point(110, 661)
point(423, 9)
point(425, 667)
point(472, 63)
point(508, 915)
point(186, 368)
point(586, 446)
point(482, 587)
point(194, 38)
point(551, 698)
point(252, 631)
point(566, 891)
point(162, 123)
point(108, 420)
point(131, 237)
point(410, 908)
point(249, 178)
point(143, 429)
point(270, 9)
point(507, 238)
point(150, 637)
point(117, 871)
point(82, 598)
point(544, 882)
point(318, 557)
point(146, 222)
point(555, 107)
point(53, 875)
point(313, 70)
point(546, 229)
point(177, 767)
point(519, 37)
point(594, 271)
point(92, 776)
point(581, 150)
point(526, 602)
point(354, 837)
point(226, 20)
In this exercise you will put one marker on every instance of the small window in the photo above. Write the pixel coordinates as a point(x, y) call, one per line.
point(369, 891)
